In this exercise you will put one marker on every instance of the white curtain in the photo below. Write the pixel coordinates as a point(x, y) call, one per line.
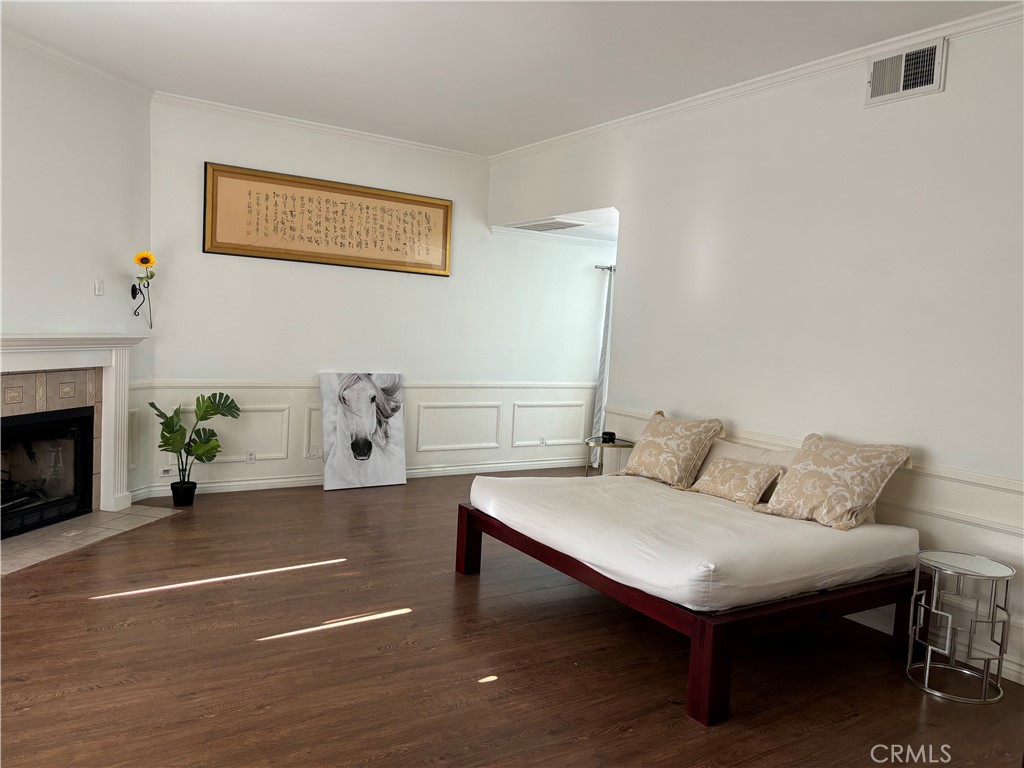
point(601, 392)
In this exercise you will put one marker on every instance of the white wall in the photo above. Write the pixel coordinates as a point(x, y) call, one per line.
point(512, 310)
point(517, 322)
point(792, 262)
point(75, 195)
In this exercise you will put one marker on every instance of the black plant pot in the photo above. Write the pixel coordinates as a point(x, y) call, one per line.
point(183, 494)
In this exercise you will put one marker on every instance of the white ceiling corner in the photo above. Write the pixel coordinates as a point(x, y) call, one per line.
point(477, 78)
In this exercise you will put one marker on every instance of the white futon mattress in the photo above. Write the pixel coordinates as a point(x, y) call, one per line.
point(702, 552)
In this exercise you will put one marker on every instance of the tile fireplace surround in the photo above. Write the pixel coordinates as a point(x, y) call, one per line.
point(24, 353)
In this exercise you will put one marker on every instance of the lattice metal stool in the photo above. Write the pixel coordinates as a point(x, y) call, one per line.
point(934, 625)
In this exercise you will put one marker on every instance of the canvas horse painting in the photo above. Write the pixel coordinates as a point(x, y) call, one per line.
point(364, 435)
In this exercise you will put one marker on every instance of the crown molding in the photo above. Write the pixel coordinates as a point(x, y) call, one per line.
point(39, 48)
point(551, 238)
point(968, 27)
point(162, 97)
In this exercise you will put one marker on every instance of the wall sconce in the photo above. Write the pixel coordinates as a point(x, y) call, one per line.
point(140, 288)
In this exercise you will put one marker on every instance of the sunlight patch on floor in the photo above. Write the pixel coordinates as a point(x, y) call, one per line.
point(359, 619)
point(488, 679)
point(183, 584)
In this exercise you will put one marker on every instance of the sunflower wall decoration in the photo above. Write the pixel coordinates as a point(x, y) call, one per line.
point(140, 288)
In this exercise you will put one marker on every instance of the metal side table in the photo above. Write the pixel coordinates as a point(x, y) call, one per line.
point(595, 442)
point(969, 596)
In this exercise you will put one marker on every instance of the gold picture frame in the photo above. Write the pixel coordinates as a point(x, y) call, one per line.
point(270, 215)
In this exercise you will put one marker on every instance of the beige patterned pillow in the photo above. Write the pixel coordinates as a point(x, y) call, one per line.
point(736, 480)
point(833, 483)
point(670, 450)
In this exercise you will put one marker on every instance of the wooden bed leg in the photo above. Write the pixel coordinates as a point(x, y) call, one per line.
point(467, 545)
point(707, 700)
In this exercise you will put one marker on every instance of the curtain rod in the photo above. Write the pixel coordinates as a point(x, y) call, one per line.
point(602, 266)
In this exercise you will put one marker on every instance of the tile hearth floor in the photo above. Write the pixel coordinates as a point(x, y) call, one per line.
point(33, 547)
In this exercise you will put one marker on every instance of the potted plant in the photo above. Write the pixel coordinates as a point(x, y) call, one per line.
point(198, 444)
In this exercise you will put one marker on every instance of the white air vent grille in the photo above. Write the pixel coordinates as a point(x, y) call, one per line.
point(911, 72)
point(885, 76)
point(919, 68)
point(549, 224)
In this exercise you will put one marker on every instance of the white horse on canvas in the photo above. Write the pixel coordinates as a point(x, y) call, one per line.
point(363, 430)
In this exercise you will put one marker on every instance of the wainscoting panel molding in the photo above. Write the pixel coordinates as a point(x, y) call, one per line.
point(259, 428)
point(458, 426)
point(562, 423)
point(464, 428)
point(133, 439)
point(450, 428)
point(313, 432)
point(952, 509)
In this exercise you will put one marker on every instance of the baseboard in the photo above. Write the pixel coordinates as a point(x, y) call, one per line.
point(160, 490)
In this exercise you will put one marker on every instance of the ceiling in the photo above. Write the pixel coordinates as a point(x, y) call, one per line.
point(476, 77)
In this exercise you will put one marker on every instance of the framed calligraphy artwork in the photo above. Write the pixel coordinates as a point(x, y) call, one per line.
point(278, 216)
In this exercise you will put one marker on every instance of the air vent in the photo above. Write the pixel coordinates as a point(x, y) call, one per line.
point(907, 73)
point(548, 225)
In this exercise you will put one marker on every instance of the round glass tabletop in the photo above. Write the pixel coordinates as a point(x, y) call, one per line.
point(961, 563)
point(597, 443)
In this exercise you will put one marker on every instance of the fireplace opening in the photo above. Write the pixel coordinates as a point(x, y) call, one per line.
point(46, 467)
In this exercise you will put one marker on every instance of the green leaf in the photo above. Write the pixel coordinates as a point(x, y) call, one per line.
point(206, 452)
point(224, 405)
point(203, 435)
point(217, 404)
point(173, 440)
point(200, 437)
point(204, 409)
point(173, 434)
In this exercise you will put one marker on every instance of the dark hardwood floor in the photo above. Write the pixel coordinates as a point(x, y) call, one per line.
point(180, 678)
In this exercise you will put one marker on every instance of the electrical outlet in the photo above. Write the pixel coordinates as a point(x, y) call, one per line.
point(166, 471)
point(97, 286)
point(314, 451)
point(543, 440)
point(250, 457)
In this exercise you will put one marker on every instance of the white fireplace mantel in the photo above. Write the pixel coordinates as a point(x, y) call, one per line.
point(52, 351)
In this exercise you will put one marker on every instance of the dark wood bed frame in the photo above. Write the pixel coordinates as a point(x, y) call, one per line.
point(711, 635)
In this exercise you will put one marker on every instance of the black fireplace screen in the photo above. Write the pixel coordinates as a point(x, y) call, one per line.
point(45, 468)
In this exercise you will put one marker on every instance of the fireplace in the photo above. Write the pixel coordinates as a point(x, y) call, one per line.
point(46, 468)
point(60, 371)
